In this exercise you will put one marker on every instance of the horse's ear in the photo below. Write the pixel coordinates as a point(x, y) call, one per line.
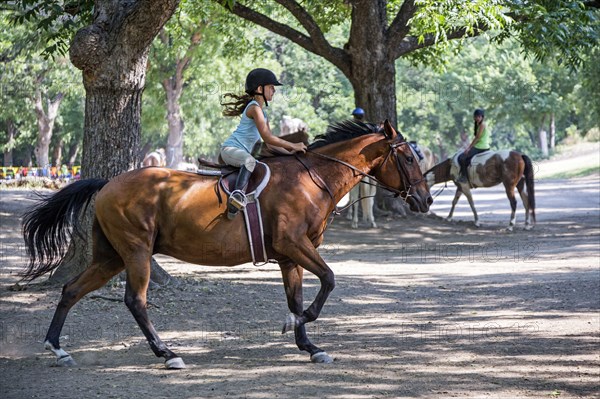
point(389, 131)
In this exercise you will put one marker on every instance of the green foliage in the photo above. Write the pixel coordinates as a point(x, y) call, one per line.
point(438, 86)
point(25, 71)
point(586, 99)
point(56, 20)
point(519, 97)
point(556, 28)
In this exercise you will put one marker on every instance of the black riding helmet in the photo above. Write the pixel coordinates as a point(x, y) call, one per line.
point(260, 77)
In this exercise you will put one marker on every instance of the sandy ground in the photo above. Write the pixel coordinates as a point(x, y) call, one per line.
point(423, 308)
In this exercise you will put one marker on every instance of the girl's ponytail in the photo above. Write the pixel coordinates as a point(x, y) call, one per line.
point(237, 104)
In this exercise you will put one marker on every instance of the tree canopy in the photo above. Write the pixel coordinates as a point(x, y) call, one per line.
point(533, 61)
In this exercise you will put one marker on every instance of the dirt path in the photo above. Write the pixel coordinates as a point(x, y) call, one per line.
point(422, 308)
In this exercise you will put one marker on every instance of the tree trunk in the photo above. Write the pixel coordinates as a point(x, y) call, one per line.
point(27, 161)
point(174, 150)
point(378, 99)
point(112, 128)
point(11, 132)
point(543, 138)
point(45, 121)
point(173, 86)
point(373, 72)
point(73, 151)
point(57, 153)
point(552, 131)
point(113, 55)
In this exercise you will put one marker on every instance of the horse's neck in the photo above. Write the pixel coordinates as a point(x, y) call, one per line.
point(440, 173)
point(341, 178)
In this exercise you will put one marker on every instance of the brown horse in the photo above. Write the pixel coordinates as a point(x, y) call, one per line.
point(157, 210)
point(488, 169)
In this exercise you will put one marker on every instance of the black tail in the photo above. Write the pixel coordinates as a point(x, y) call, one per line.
point(49, 225)
point(529, 184)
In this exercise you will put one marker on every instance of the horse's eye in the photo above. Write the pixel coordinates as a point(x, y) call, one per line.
point(409, 160)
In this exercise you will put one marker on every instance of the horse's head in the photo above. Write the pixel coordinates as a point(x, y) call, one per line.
point(400, 171)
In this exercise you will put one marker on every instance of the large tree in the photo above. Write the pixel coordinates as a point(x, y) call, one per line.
point(112, 53)
point(380, 32)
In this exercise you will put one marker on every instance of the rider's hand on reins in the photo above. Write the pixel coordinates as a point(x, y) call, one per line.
point(299, 147)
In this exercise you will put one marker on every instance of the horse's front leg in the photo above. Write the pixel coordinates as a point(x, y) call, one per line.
point(292, 280)
point(302, 252)
point(454, 202)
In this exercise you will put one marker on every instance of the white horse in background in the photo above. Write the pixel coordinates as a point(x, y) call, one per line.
point(366, 189)
point(155, 158)
point(289, 125)
point(187, 166)
point(429, 160)
point(158, 158)
point(366, 192)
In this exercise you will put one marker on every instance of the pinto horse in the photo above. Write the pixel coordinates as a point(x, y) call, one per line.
point(488, 169)
point(158, 210)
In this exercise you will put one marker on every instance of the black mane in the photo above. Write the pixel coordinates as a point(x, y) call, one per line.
point(343, 130)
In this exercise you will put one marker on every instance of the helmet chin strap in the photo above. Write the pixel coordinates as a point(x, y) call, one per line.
point(263, 96)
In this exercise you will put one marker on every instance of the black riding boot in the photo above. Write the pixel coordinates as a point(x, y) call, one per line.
point(237, 199)
point(463, 162)
point(463, 172)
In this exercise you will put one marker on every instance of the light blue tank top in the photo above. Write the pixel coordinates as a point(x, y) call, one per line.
point(246, 134)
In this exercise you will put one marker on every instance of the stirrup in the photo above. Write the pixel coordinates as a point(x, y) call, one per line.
point(238, 199)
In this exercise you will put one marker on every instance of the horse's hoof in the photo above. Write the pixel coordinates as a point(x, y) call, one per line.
point(528, 227)
point(290, 323)
point(509, 229)
point(175, 364)
point(321, 357)
point(66, 361)
point(477, 224)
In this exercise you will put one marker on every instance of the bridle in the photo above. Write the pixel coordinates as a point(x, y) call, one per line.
point(404, 176)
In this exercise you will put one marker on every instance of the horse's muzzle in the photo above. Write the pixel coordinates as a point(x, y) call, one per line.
point(419, 203)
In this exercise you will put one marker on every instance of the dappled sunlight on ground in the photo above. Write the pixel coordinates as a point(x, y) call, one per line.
point(422, 308)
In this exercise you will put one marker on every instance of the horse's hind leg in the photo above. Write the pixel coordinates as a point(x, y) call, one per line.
point(525, 199)
point(292, 281)
point(138, 278)
point(106, 263)
point(510, 193)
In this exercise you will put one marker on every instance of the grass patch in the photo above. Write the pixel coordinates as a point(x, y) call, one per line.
point(582, 172)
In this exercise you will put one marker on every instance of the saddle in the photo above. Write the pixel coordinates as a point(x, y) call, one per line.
point(252, 213)
point(476, 160)
point(258, 180)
